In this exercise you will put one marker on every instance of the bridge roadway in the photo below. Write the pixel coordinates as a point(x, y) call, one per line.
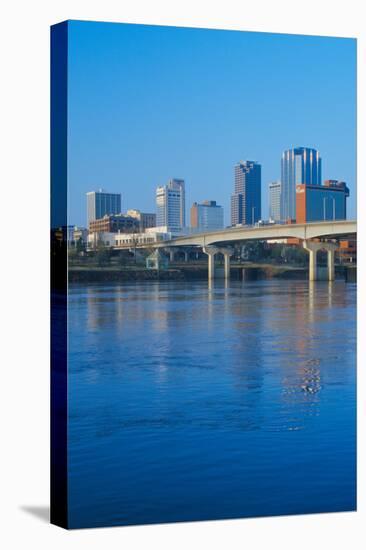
point(305, 231)
point(214, 242)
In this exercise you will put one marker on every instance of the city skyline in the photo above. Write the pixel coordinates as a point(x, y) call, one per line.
point(301, 164)
point(198, 127)
point(285, 199)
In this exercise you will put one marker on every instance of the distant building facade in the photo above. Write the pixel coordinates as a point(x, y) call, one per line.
point(135, 239)
point(321, 202)
point(301, 165)
point(124, 240)
point(102, 238)
point(246, 199)
point(114, 224)
point(80, 235)
point(145, 219)
point(99, 203)
point(347, 251)
point(166, 229)
point(170, 205)
point(275, 211)
point(207, 216)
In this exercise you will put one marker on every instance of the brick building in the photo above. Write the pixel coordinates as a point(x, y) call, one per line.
point(115, 223)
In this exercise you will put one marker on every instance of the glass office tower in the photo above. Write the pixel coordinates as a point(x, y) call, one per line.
point(299, 166)
point(99, 203)
point(246, 199)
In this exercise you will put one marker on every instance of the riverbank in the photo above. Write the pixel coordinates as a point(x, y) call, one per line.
point(113, 274)
point(186, 272)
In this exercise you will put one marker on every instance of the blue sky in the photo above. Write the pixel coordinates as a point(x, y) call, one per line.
point(147, 103)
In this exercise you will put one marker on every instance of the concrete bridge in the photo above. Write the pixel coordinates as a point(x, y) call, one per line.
point(215, 242)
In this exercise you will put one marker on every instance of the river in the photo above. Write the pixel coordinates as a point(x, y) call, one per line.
point(192, 403)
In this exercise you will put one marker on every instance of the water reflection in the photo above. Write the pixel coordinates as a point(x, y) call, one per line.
point(263, 335)
point(174, 381)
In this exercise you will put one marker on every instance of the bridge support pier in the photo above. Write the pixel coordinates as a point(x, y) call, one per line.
point(211, 251)
point(227, 266)
point(330, 255)
point(227, 253)
point(171, 252)
point(313, 248)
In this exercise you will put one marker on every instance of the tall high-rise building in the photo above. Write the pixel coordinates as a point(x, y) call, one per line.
point(275, 201)
point(299, 165)
point(170, 205)
point(246, 199)
point(99, 203)
point(207, 216)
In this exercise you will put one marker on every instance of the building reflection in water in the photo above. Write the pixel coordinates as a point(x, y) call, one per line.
point(262, 339)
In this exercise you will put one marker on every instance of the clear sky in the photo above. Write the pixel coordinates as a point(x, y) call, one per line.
point(148, 103)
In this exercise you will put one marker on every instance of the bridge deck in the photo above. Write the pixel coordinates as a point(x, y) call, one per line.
point(331, 229)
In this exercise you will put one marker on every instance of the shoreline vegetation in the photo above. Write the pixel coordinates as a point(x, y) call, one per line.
point(253, 271)
point(279, 261)
point(176, 273)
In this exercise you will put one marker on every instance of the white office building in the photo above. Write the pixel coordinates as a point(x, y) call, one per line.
point(170, 205)
point(101, 238)
point(150, 236)
point(275, 212)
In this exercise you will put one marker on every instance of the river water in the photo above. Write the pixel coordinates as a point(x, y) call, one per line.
point(192, 403)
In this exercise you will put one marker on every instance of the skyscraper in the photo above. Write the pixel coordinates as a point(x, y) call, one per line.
point(99, 203)
point(299, 165)
point(170, 205)
point(246, 199)
point(207, 216)
point(275, 201)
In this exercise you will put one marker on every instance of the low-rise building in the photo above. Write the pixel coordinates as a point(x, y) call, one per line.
point(167, 230)
point(347, 251)
point(146, 219)
point(101, 238)
point(207, 216)
point(114, 223)
point(80, 235)
point(321, 202)
point(71, 234)
point(124, 240)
